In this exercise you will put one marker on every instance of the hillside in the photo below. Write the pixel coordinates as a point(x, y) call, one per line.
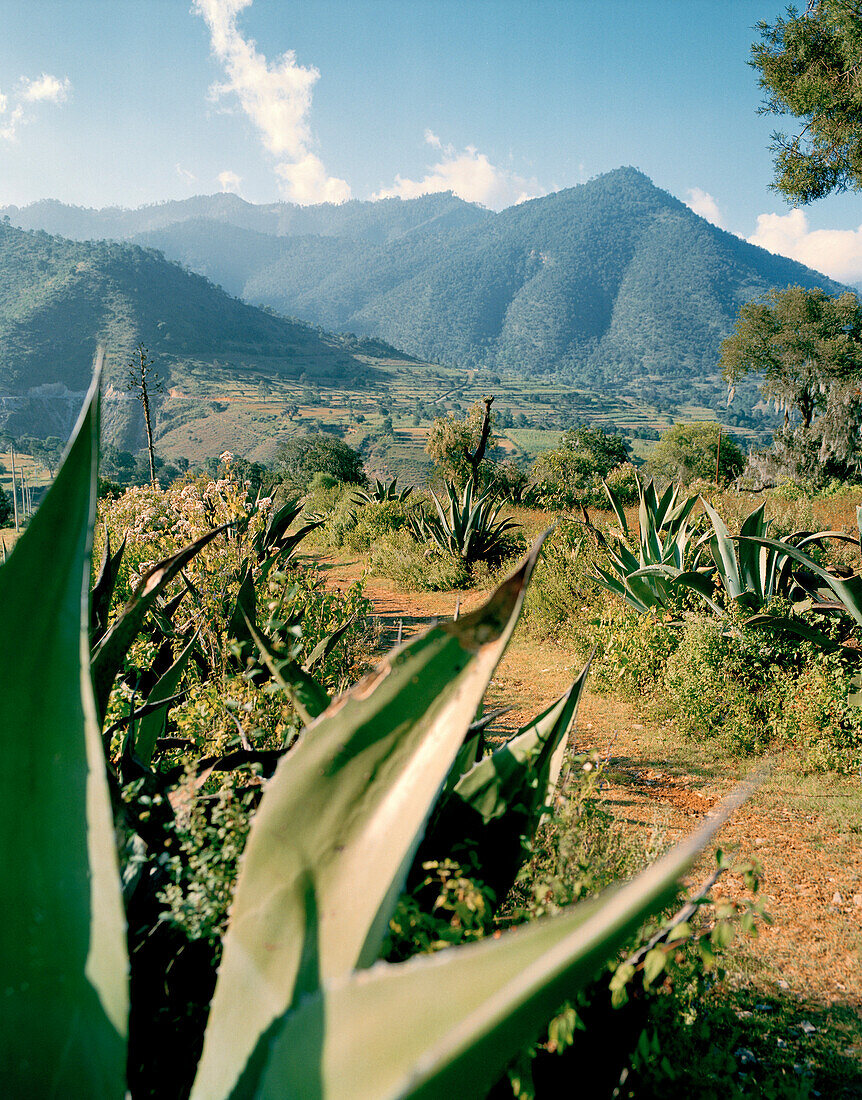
point(614, 283)
point(59, 298)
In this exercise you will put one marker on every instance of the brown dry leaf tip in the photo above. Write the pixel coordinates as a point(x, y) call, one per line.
point(152, 580)
point(487, 623)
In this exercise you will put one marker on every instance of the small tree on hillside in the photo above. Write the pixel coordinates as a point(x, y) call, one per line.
point(687, 452)
point(302, 456)
point(459, 446)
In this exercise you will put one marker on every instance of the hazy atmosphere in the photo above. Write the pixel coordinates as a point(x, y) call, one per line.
point(115, 102)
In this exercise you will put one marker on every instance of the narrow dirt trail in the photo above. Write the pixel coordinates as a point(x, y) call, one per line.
point(812, 873)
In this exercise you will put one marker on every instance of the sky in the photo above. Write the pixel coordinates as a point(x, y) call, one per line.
point(127, 102)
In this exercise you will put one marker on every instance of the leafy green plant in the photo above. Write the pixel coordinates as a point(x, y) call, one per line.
point(382, 492)
point(296, 1011)
point(470, 527)
point(665, 547)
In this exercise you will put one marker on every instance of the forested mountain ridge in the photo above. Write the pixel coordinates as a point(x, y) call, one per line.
point(611, 283)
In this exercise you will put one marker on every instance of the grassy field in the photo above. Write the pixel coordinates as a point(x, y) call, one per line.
point(241, 407)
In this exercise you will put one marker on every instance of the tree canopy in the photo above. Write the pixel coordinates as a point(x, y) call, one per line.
point(811, 67)
point(807, 346)
point(450, 439)
point(687, 452)
point(303, 456)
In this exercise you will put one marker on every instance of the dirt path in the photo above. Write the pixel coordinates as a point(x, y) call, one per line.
point(812, 878)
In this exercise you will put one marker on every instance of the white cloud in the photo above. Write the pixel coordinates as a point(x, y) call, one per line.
point(229, 181)
point(470, 175)
point(276, 98)
point(185, 175)
point(701, 202)
point(835, 252)
point(47, 89)
point(13, 113)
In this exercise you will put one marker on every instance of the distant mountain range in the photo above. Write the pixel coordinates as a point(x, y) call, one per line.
point(59, 298)
point(612, 283)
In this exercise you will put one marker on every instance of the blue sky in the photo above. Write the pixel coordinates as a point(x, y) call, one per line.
point(133, 101)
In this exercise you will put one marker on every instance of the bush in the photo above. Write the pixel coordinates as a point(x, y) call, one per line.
point(303, 456)
point(564, 600)
point(418, 568)
point(633, 649)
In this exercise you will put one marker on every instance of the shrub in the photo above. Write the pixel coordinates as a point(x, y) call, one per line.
point(633, 648)
point(303, 456)
point(418, 568)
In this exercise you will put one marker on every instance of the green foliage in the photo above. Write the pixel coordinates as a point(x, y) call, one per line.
point(293, 1012)
point(470, 528)
point(450, 439)
point(416, 567)
point(807, 67)
point(301, 457)
point(807, 346)
point(6, 510)
point(687, 452)
point(571, 475)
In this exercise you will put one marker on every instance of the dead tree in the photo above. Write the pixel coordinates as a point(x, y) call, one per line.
point(475, 459)
point(143, 379)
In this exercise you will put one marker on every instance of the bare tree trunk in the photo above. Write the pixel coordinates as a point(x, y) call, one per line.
point(14, 490)
point(475, 459)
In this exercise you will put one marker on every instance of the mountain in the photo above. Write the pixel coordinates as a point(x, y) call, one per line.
point(614, 283)
point(59, 298)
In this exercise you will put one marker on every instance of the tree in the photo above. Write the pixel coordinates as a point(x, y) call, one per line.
point(302, 456)
point(571, 474)
point(807, 346)
point(605, 451)
point(454, 443)
point(143, 378)
point(688, 451)
point(811, 67)
point(6, 510)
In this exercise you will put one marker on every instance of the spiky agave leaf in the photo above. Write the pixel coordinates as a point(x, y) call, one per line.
point(338, 827)
point(446, 1024)
point(62, 937)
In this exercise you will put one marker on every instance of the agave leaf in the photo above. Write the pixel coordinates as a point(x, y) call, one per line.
point(108, 655)
point(278, 523)
point(848, 591)
point(306, 694)
point(496, 806)
point(62, 940)
point(103, 589)
point(244, 610)
point(152, 725)
point(724, 553)
point(617, 507)
point(702, 584)
point(326, 645)
point(446, 1024)
point(338, 827)
point(778, 623)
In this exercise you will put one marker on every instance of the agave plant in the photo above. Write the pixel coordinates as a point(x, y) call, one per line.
point(298, 1008)
point(469, 528)
point(382, 493)
point(665, 542)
